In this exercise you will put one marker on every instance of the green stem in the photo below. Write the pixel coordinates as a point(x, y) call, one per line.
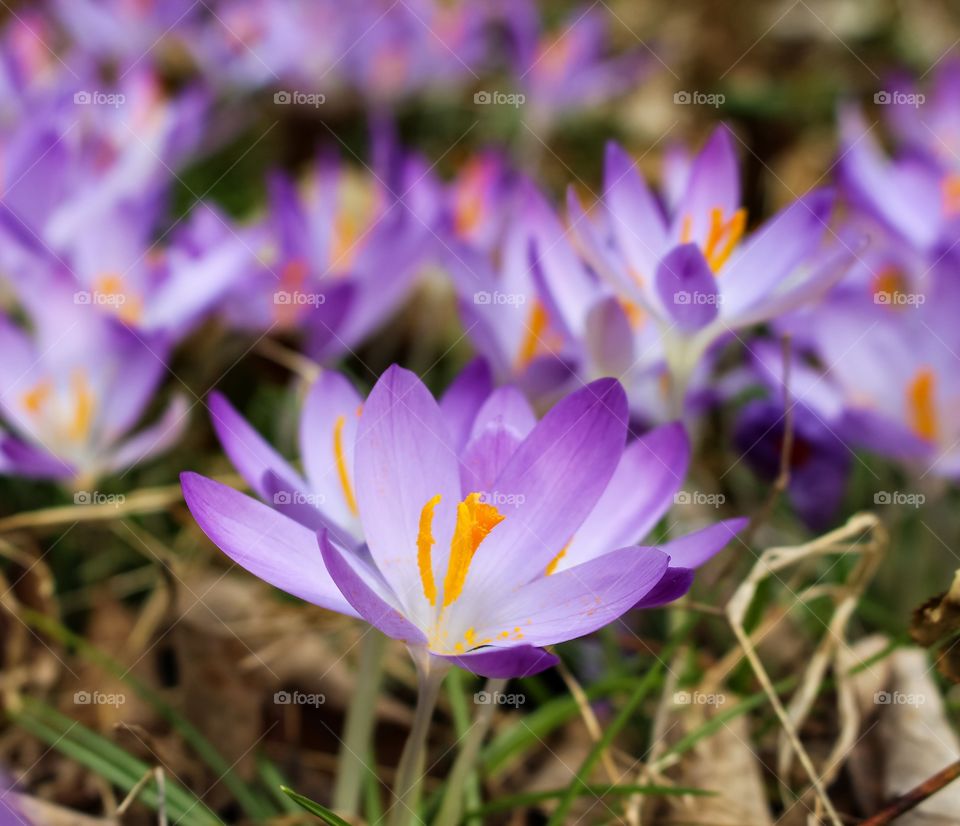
point(356, 745)
point(430, 674)
point(453, 798)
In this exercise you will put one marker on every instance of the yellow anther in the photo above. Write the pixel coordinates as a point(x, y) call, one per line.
point(83, 404)
point(922, 405)
point(34, 398)
point(723, 237)
point(537, 325)
point(425, 542)
point(475, 520)
point(552, 565)
point(342, 471)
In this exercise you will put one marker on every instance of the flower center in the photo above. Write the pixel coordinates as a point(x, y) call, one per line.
point(475, 521)
point(722, 236)
point(76, 426)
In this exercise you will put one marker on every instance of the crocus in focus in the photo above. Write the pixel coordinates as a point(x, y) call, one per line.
point(459, 507)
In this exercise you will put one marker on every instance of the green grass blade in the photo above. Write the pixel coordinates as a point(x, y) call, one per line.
point(314, 808)
point(520, 801)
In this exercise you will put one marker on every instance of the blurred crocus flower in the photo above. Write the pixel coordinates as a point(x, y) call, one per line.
point(116, 268)
point(892, 369)
point(333, 258)
point(820, 456)
point(916, 193)
point(688, 261)
point(74, 389)
point(488, 534)
point(125, 31)
point(98, 150)
point(570, 67)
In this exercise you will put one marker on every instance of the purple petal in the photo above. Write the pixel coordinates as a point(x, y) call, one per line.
point(556, 476)
point(328, 433)
point(22, 459)
point(714, 182)
point(269, 545)
point(636, 218)
point(506, 663)
point(675, 583)
point(692, 550)
point(404, 460)
point(577, 601)
point(366, 591)
point(152, 440)
point(687, 287)
point(641, 491)
point(248, 451)
point(609, 338)
point(463, 397)
point(507, 407)
point(775, 251)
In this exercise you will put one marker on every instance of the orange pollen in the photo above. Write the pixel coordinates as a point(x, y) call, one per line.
point(536, 326)
point(342, 471)
point(34, 398)
point(552, 565)
point(425, 543)
point(475, 520)
point(83, 407)
point(125, 305)
point(951, 193)
point(723, 236)
point(921, 404)
point(634, 312)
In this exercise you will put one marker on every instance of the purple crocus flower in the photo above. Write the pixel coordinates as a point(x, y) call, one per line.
point(334, 258)
point(568, 68)
point(688, 262)
point(73, 391)
point(916, 193)
point(460, 503)
point(890, 367)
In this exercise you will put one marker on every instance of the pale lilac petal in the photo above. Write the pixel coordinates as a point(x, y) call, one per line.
point(692, 550)
point(306, 508)
point(21, 459)
point(403, 460)
point(609, 338)
point(459, 404)
point(248, 451)
point(507, 407)
point(687, 288)
point(506, 663)
point(577, 601)
point(714, 182)
point(556, 476)
point(641, 491)
point(484, 459)
point(330, 417)
point(781, 245)
point(366, 591)
point(153, 439)
point(636, 219)
point(269, 545)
